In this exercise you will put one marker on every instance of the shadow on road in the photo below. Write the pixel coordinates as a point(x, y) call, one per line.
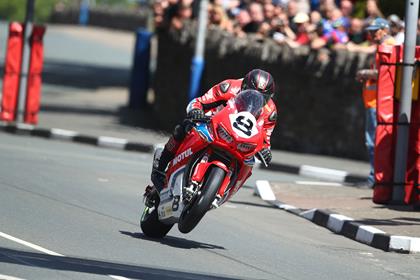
point(399, 221)
point(87, 76)
point(174, 241)
point(97, 267)
point(123, 115)
point(58, 108)
point(90, 78)
point(263, 204)
point(84, 75)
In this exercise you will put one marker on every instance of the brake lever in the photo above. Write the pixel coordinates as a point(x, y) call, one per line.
point(261, 158)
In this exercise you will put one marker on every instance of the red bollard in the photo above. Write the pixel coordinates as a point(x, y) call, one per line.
point(386, 129)
point(387, 114)
point(412, 189)
point(34, 79)
point(12, 70)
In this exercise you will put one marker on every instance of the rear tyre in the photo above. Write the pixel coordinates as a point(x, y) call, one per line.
point(193, 213)
point(151, 226)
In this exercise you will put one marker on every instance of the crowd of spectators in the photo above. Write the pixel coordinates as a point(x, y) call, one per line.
point(318, 24)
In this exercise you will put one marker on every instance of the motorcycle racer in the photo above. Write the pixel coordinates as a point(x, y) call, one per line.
point(212, 101)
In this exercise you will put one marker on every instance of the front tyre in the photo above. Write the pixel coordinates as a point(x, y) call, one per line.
point(150, 224)
point(192, 214)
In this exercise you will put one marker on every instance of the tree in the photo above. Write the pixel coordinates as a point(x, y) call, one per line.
point(15, 10)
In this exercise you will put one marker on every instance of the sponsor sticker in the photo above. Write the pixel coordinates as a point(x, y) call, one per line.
point(182, 156)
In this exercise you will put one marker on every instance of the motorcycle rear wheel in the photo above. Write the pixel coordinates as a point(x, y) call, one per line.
point(151, 226)
point(193, 213)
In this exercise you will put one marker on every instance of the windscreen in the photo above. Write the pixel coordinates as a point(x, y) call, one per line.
point(250, 101)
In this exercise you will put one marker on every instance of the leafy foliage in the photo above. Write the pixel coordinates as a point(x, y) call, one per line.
point(16, 9)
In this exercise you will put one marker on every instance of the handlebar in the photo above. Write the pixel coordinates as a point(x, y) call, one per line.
point(190, 123)
point(204, 119)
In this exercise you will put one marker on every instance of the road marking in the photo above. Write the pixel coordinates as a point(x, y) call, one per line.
point(264, 190)
point(336, 222)
point(118, 277)
point(43, 250)
point(365, 234)
point(111, 142)
point(7, 277)
point(28, 244)
point(25, 126)
point(315, 183)
point(405, 243)
point(323, 173)
point(64, 134)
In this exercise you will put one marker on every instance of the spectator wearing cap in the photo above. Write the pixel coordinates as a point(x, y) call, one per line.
point(338, 35)
point(336, 38)
point(396, 28)
point(302, 36)
point(378, 31)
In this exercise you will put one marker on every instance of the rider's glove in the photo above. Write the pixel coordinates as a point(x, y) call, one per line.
point(195, 114)
point(266, 154)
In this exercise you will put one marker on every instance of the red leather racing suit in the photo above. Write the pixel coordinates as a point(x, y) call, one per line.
point(219, 94)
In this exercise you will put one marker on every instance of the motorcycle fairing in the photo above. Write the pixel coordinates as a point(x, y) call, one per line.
point(170, 206)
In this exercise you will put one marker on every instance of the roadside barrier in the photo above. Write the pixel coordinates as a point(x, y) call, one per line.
point(389, 80)
point(12, 73)
point(35, 72)
point(139, 83)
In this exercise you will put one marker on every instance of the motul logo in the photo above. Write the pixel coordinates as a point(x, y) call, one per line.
point(182, 156)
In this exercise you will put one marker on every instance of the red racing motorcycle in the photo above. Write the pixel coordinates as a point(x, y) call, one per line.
point(213, 162)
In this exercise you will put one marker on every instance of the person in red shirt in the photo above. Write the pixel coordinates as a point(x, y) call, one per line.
point(212, 100)
point(302, 35)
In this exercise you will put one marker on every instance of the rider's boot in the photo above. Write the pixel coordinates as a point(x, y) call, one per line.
point(160, 163)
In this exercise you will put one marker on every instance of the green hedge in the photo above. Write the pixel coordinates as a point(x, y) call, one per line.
point(12, 10)
point(16, 10)
point(387, 7)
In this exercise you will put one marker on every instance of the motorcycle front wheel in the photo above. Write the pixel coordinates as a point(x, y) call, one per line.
point(151, 226)
point(193, 213)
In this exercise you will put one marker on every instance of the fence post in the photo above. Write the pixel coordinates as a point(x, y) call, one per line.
point(139, 84)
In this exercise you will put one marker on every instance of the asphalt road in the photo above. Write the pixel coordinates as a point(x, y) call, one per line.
point(81, 205)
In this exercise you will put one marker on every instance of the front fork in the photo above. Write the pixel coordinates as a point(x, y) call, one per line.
point(198, 176)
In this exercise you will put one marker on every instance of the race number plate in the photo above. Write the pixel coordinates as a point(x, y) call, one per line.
point(244, 124)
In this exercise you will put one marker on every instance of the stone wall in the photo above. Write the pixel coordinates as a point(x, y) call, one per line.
point(319, 104)
point(103, 17)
